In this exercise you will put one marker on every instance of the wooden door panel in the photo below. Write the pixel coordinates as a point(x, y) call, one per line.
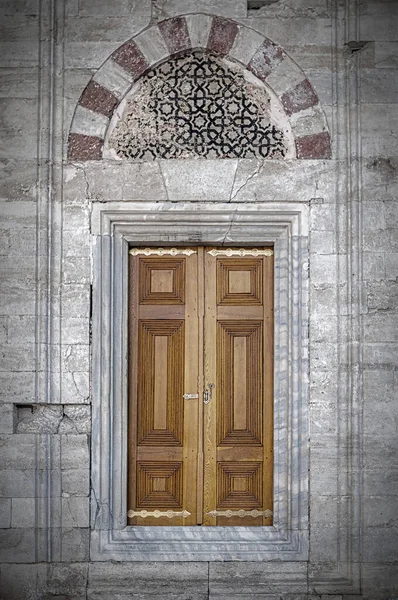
point(202, 321)
point(162, 280)
point(161, 383)
point(162, 427)
point(239, 383)
point(239, 341)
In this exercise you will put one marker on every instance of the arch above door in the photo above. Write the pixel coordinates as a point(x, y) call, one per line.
point(266, 62)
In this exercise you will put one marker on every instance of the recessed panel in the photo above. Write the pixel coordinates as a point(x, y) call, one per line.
point(159, 484)
point(239, 281)
point(239, 485)
point(160, 382)
point(239, 382)
point(162, 280)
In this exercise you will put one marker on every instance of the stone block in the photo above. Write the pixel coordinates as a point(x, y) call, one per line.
point(75, 545)
point(76, 243)
point(255, 579)
point(18, 7)
point(19, 136)
point(175, 34)
point(5, 513)
point(284, 75)
point(391, 265)
point(378, 383)
point(76, 358)
point(15, 55)
point(265, 59)
point(382, 295)
point(122, 8)
point(75, 387)
point(380, 580)
point(246, 44)
point(379, 130)
point(193, 180)
point(126, 181)
point(374, 266)
point(380, 544)
point(386, 55)
point(148, 580)
point(23, 513)
point(66, 579)
point(18, 387)
point(380, 353)
point(379, 452)
point(152, 45)
point(380, 27)
point(391, 215)
point(76, 330)
point(323, 242)
point(17, 451)
point(222, 35)
point(76, 270)
point(76, 482)
point(88, 55)
point(96, 28)
point(324, 356)
point(18, 83)
point(76, 419)
point(380, 482)
point(98, 99)
point(75, 451)
point(299, 98)
point(379, 512)
point(291, 180)
point(84, 147)
point(75, 300)
point(310, 122)
point(323, 268)
point(114, 78)
point(379, 85)
point(22, 581)
point(6, 418)
point(89, 123)
point(42, 418)
point(233, 9)
point(380, 328)
point(17, 546)
point(75, 512)
point(199, 29)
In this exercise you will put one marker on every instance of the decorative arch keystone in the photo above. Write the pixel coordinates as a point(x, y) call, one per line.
point(176, 36)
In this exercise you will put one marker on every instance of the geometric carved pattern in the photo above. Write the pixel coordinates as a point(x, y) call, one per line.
point(229, 430)
point(239, 485)
point(159, 484)
point(239, 281)
point(196, 106)
point(161, 281)
point(171, 433)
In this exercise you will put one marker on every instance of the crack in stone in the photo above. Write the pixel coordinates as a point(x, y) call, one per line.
point(259, 167)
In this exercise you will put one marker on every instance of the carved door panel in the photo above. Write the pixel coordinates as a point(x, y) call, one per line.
point(163, 365)
point(200, 387)
point(239, 361)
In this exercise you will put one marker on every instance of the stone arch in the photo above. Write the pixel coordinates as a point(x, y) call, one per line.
point(178, 35)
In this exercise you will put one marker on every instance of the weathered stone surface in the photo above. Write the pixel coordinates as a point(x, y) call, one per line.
point(66, 579)
point(75, 452)
point(22, 582)
point(75, 482)
point(5, 513)
point(238, 579)
point(222, 35)
point(192, 180)
point(175, 34)
point(98, 99)
point(84, 147)
point(265, 59)
point(302, 96)
point(23, 513)
point(143, 580)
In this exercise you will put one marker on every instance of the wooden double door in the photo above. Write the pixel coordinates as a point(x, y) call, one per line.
point(200, 386)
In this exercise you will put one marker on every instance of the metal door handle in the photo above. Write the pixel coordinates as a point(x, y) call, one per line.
point(207, 393)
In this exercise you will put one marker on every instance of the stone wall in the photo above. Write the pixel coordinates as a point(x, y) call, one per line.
point(49, 51)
